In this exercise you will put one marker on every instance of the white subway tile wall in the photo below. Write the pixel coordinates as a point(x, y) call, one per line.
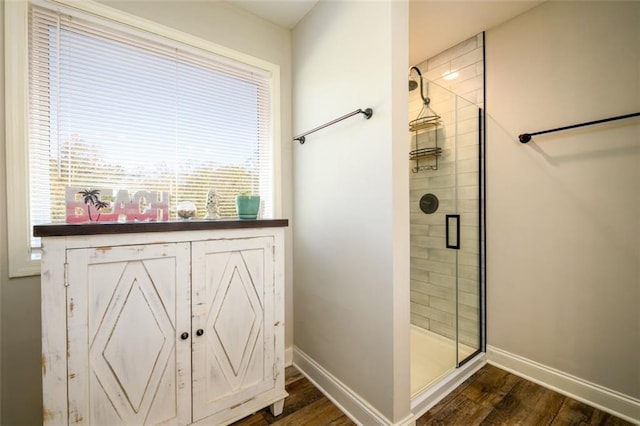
point(459, 70)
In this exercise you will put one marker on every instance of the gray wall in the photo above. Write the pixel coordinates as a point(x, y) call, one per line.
point(21, 386)
point(351, 230)
point(563, 231)
point(19, 313)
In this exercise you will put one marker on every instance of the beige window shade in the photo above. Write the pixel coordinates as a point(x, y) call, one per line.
point(109, 109)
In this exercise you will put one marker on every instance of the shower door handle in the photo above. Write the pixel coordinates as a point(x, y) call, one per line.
point(452, 222)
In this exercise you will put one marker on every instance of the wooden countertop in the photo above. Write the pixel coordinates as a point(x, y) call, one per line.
point(70, 229)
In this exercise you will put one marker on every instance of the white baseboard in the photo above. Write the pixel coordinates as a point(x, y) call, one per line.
point(288, 356)
point(349, 402)
point(610, 401)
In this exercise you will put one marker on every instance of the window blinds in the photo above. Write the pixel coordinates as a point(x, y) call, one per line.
point(113, 110)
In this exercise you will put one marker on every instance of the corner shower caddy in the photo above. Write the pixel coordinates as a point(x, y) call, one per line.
point(424, 126)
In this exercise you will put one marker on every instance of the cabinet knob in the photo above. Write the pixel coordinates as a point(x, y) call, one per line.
point(199, 332)
point(184, 336)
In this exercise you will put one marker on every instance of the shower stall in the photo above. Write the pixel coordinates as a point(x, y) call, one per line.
point(446, 145)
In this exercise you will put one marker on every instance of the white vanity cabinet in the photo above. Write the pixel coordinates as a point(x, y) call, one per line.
point(164, 327)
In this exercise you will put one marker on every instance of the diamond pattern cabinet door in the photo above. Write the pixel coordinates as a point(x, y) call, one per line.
point(233, 303)
point(126, 308)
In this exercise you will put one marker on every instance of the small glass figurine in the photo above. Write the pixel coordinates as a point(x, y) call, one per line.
point(211, 206)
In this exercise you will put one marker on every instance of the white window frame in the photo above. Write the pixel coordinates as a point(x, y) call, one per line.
point(16, 38)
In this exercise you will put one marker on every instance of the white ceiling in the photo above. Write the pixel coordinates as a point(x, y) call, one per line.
point(434, 25)
point(286, 13)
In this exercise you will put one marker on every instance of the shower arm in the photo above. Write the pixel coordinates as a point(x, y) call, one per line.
point(425, 99)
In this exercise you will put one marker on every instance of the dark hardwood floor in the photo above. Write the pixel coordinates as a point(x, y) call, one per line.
point(495, 397)
point(489, 397)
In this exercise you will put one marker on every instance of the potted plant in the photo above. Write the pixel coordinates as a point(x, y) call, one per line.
point(247, 206)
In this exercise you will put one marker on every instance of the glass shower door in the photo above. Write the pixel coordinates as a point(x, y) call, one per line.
point(463, 228)
point(445, 234)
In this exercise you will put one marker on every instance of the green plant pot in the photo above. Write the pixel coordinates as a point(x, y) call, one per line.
point(247, 206)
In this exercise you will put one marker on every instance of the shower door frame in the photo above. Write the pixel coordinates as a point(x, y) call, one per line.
point(482, 343)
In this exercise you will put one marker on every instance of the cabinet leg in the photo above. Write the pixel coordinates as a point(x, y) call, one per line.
point(276, 407)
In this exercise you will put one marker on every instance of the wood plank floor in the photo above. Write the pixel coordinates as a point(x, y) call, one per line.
point(489, 397)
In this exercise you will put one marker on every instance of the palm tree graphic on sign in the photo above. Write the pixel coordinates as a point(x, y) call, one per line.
point(91, 197)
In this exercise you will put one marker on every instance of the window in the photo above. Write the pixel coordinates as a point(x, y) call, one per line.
point(110, 106)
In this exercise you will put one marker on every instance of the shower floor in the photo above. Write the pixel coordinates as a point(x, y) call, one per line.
point(432, 357)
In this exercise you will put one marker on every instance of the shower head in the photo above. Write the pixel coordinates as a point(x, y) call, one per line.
point(414, 85)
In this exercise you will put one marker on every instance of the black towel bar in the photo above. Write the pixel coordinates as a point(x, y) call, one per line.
point(526, 137)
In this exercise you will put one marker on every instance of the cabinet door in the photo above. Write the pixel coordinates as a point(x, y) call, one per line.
point(233, 306)
point(126, 310)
